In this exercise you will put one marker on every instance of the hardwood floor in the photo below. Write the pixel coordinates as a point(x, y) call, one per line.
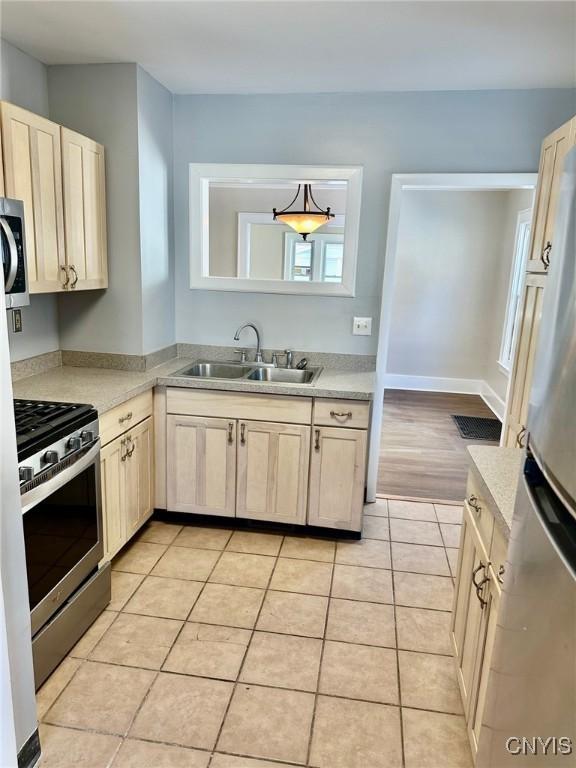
point(421, 452)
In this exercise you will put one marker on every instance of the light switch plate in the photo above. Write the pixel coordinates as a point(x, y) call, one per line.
point(362, 326)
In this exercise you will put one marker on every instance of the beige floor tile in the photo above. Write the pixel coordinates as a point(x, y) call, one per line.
point(269, 723)
point(55, 684)
point(448, 513)
point(206, 650)
point(101, 697)
point(370, 584)
point(138, 557)
point(164, 598)
point(378, 508)
point(293, 614)
point(186, 563)
point(418, 590)
point(415, 532)
point(183, 710)
point(432, 739)
point(306, 576)
point(145, 754)
point(451, 534)
point(440, 691)
point(366, 623)
point(91, 637)
point(303, 548)
point(231, 761)
point(417, 558)
point(159, 532)
point(282, 661)
point(359, 672)
point(123, 587)
point(68, 748)
point(411, 510)
point(202, 538)
point(365, 552)
point(420, 629)
point(137, 641)
point(255, 543)
point(231, 606)
point(376, 528)
point(355, 734)
point(452, 555)
point(243, 570)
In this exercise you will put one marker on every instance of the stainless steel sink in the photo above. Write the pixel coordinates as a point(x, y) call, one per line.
point(216, 371)
point(283, 375)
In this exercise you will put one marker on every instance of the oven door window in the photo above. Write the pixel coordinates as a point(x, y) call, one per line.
point(59, 532)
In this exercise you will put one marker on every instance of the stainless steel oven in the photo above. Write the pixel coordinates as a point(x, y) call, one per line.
point(13, 248)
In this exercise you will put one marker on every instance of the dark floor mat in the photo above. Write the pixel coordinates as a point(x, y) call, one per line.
point(478, 428)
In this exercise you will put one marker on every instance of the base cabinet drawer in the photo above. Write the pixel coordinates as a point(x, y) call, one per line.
point(341, 413)
point(337, 471)
point(119, 419)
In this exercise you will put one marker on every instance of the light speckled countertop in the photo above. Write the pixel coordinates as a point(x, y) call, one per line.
point(499, 470)
point(105, 388)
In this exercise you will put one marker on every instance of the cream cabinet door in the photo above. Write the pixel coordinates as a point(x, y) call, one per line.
point(113, 496)
point(84, 211)
point(554, 149)
point(33, 174)
point(201, 465)
point(139, 475)
point(337, 472)
point(273, 471)
point(529, 316)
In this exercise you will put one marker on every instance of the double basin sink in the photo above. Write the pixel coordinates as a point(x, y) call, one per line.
point(257, 372)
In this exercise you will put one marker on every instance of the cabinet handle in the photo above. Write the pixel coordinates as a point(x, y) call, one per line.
point(127, 417)
point(545, 255)
point(66, 282)
point(132, 448)
point(243, 434)
point(479, 585)
point(500, 574)
point(341, 414)
point(230, 431)
point(316, 439)
point(73, 268)
point(520, 438)
point(473, 502)
point(123, 455)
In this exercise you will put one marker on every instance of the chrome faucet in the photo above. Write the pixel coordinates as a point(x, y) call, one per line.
point(258, 357)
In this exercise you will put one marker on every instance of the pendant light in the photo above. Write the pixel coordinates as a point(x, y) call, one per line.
point(307, 220)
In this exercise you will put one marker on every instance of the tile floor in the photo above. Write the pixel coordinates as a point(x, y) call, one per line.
point(226, 649)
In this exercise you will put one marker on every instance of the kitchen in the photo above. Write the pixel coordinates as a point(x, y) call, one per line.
point(222, 586)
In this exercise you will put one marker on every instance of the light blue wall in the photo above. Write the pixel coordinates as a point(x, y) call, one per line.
point(156, 221)
point(23, 81)
point(100, 101)
point(386, 133)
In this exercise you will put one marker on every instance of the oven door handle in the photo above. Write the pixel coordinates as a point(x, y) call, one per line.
point(35, 495)
point(12, 272)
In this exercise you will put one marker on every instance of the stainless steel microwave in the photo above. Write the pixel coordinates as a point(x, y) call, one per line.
point(13, 242)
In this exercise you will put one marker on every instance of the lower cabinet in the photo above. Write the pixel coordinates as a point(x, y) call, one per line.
point(337, 469)
point(127, 485)
point(272, 471)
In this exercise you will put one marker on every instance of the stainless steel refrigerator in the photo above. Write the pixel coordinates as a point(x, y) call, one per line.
point(530, 715)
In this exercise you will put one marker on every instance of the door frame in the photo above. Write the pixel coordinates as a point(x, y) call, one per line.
point(405, 182)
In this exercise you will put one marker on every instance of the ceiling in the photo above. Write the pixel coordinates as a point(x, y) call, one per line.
point(307, 46)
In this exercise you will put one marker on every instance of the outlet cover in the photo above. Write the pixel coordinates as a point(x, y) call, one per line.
point(362, 326)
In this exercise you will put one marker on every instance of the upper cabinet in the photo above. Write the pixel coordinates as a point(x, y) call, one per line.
point(554, 149)
point(59, 175)
point(84, 210)
point(33, 174)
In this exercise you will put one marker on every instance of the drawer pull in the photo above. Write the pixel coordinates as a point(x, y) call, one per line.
point(230, 431)
point(473, 502)
point(341, 414)
point(316, 439)
point(243, 434)
point(127, 417)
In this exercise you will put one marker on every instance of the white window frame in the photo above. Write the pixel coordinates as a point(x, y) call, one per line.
point(515, 288)
point(317, 257)
point(200, 177)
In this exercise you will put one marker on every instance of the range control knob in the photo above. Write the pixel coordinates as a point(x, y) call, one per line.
point(87, 436)
point(74, 444)
point(26, 474)
point(50, 457)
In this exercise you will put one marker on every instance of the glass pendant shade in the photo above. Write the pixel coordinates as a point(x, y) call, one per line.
point(306, 221)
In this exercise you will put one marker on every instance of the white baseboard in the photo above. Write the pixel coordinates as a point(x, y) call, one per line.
point(449, 385)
